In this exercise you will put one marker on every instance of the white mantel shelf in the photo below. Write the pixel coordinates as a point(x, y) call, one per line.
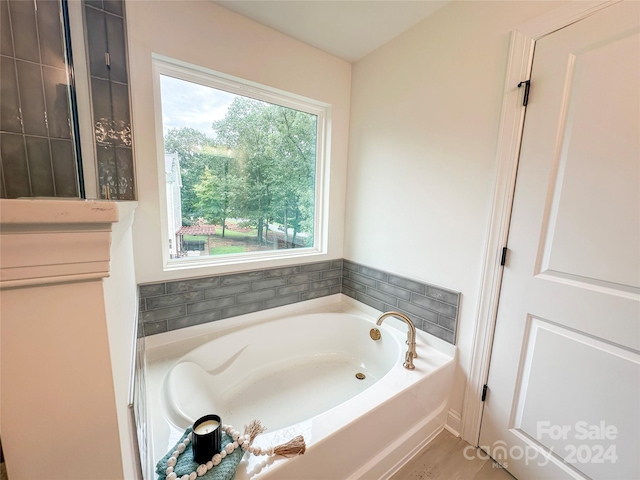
point(44, 240)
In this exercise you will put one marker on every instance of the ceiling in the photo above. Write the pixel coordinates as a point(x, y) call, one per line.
point(347, 29)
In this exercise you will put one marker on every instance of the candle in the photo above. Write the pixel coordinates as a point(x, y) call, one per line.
point(206, 427)
point(206, 438)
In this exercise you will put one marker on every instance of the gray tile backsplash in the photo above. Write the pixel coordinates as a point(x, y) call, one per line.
point(431, 308)
point(172, 305)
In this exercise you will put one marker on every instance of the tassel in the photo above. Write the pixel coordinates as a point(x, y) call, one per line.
point(295, 446)
point(253, 429)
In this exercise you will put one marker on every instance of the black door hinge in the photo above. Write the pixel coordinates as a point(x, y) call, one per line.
point(527, 85)
point(484, 393)
point(503, 259)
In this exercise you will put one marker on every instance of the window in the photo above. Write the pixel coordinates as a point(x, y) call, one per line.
point(243, 168)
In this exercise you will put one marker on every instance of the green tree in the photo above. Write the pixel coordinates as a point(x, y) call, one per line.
point(218, 190)
point(194, 149)
point(246, 129)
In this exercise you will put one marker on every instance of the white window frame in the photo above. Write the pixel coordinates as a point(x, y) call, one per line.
point(184, 71)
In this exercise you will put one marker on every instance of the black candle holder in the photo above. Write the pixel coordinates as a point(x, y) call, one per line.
point(207, 442)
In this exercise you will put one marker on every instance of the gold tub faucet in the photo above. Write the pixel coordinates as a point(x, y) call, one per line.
point(411, 337)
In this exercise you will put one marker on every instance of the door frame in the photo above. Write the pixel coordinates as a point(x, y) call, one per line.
point(523, 40)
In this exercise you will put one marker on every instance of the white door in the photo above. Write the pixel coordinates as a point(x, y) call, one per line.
point(563, 395)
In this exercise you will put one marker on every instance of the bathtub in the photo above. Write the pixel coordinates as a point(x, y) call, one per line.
point(297, 375)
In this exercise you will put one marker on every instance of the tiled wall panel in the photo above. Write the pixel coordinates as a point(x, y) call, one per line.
point(173, 305)
point(431, 308)
point(37, 154)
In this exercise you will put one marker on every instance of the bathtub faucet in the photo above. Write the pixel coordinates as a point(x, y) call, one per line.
point(411, 337)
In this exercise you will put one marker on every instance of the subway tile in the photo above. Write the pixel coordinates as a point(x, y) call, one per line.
point(224, 291)
point(176, 299)
point(284, 286)
point(395, 291)
point(336, 264)
point(142, 305)
point(356, 277)
point(25, 31)
point(407, 284)
point(214, 304)
point(372, 302)
point(6, 42)
point(439, 332)
point(64, 168)
point(237, 278)
point(303, 278)
point(331, 273)
point(262, 284)
point(349, 292)
point(10, 106)
point(348, 265)
point(152, 328)
point(443, 295)
point(323, 292)
point(191, 320)
point(281, 272)
point(164, 313)
point(14, 165)
point(315, 267)
point(50, 34)
point(39, 158)
point(242, 309)
point(280, 301)
point(303, 287)
point(434, 305)
point(383, 297)
point(353, 285)
point(194, 284)
point(446, 322)
point(325, 283)
point(152, 289)
point(255, 296)
point(31, 98)
point(419, 311)
point(374, 273)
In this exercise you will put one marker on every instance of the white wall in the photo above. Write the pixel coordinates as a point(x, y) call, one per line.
point(205, 34)
point(120, 301)
point(425, 113)
point(58, 405)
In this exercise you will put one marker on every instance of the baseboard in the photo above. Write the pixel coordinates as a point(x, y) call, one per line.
point(453, 423)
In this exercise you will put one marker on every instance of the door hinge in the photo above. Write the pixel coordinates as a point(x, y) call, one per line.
point(484, 393)
point(503, 259)
point(527, 86)
point(107, 59)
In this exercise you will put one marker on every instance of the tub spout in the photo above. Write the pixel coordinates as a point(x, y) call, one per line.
point(411, 337)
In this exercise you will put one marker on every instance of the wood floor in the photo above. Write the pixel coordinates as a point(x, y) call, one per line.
point(444, 459)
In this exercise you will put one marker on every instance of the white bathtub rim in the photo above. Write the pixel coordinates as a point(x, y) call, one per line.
point(166, 349)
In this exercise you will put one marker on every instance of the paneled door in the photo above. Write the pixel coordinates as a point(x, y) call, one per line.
point(563, 397)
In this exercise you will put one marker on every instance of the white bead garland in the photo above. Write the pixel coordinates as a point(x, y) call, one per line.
point(239, 441)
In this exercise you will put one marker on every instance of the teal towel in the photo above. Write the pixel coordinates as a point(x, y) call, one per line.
point(225, 470)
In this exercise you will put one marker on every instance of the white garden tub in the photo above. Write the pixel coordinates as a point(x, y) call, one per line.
point(297, 375)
